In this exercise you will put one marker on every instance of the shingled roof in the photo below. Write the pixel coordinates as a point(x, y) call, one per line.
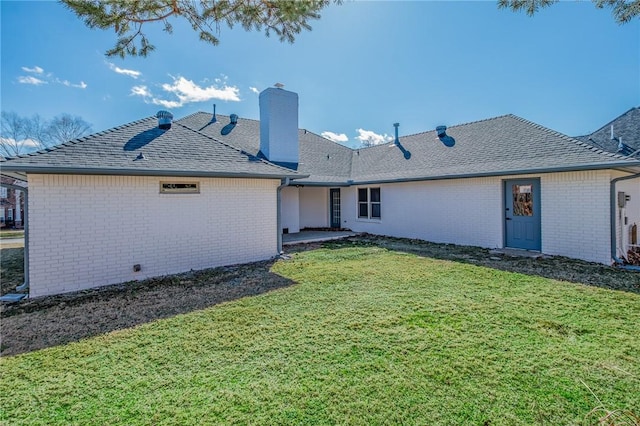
point(325, 162)
point(492, 147)
point(199, 145)
point(141, 148)
point(502, 145)
point(626, 128)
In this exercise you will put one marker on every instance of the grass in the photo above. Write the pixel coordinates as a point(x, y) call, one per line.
point(11, 234)
point(367, 336)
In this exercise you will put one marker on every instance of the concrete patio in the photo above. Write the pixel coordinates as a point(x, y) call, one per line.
point(303, 237)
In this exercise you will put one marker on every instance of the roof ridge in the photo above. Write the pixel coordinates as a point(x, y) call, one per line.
point(570, 138)
point(241, 151)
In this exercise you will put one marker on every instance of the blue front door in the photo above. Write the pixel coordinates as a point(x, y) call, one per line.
point(522, 214)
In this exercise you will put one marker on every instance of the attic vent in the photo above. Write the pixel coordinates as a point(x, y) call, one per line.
point(164, 119)
point(234, 118)
point(444, 138)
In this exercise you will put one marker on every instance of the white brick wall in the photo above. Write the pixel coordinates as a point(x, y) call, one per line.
point(575, 215)
point(290, 209)
point(88, 231)
point(575, 212)
point(314, 207)
point(460, 211)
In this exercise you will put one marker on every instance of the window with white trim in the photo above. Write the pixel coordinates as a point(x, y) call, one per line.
point(3, 192)
point(369, 203)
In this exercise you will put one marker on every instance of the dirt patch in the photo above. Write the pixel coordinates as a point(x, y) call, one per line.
point(49, 321)
point(55, 320)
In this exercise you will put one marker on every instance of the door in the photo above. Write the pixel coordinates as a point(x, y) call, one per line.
point(522, 214)
point(334, 207)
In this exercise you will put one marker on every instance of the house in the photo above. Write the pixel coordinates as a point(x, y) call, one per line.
point(11, 202)
point(145, 199)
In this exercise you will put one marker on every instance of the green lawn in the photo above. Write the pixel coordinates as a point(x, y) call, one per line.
point(367, 336)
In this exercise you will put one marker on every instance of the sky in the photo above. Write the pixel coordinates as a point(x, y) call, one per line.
point(364, 66)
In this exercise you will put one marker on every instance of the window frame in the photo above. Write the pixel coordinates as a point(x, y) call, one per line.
point(178, 190)
point(365, 199)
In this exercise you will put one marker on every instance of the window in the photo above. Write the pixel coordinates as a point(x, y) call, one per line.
point(369, 203)
point(179, 187)
point(522, 200)
point(3, 192)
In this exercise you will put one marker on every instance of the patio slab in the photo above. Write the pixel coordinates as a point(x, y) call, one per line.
point(304, 237)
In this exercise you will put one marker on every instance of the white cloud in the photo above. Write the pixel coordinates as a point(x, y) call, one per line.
point(254, 90)
point(124, 71)
point(140, 91)
point(35, 70)
point(335, 136)
point(165, 103)
point(369, 138)
point(30, 80)
point(81, 85)
point(187, 92)
point(46, 78)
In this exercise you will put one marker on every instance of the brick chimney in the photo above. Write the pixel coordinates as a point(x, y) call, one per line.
point(279, 126)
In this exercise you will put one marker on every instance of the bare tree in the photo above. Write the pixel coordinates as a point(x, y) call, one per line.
point(21, 135)
point(35, 129)
point(13, 139)
point(65, 127)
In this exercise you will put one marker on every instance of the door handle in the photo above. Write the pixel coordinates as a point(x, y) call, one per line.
point(507, 218)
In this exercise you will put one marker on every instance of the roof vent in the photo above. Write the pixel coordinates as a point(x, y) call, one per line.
point(164, 119)
point(397, 140)
point(234, 118)
point(444, 138)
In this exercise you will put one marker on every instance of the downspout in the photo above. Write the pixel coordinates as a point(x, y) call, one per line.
point(25, 223)
point(613, 198)
point(285, 182)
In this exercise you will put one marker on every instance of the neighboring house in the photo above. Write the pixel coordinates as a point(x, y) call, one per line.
point(11, 202)
point(139, 201)
point(620, 136)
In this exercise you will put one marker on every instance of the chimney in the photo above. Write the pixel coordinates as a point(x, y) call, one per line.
point(279, 126)
point(164, 119)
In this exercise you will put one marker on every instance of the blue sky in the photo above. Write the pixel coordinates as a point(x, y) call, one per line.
point(364, 66)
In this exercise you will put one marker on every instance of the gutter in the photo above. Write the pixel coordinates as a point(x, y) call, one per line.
point(558, 169)
point(143, 172)
point(612, 216)
point(285, 182)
